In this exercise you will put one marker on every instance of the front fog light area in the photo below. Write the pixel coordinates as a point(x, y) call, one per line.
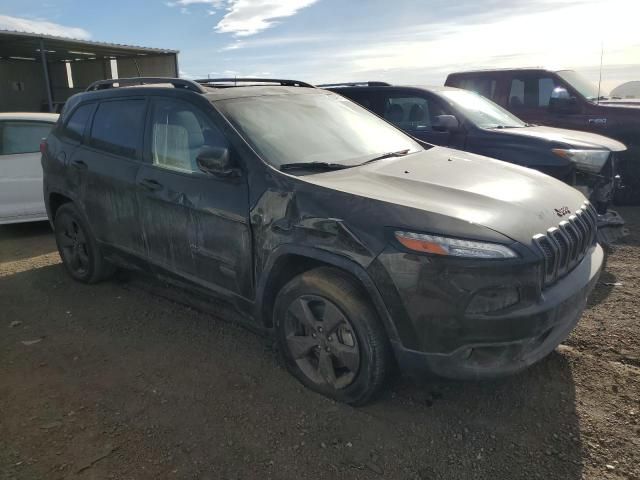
point(493, 299)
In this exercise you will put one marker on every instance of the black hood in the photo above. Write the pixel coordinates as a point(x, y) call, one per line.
point(569, 138)
point(515, 201)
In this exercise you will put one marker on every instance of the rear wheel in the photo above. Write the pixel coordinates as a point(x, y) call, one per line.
point(78, 248)
point(330, 337)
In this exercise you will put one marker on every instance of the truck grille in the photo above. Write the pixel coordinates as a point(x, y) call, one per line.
point(564, 246)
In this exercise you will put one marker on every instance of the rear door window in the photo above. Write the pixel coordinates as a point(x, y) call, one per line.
point(531, 92)
point(117, 127)
point(364, 98)
point(22, 136)
point(411, 112)
point(483, 86)
point(75, 126)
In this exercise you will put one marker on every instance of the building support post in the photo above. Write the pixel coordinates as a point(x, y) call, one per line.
point(45, 68)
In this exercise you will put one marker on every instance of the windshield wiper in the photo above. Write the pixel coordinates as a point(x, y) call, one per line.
point(399, 153)
point(313, 166)
point(338, 166)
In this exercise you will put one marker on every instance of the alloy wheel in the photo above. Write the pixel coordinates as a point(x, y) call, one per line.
point(322, 341)
point(73, 244)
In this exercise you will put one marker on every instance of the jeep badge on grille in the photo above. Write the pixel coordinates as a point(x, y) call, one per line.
point(562, 211)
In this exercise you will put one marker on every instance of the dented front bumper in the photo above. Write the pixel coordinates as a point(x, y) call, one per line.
point(453, 343)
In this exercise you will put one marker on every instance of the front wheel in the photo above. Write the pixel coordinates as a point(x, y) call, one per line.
point(330, 337)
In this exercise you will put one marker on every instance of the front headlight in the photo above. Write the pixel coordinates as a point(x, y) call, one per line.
point(590, 161)
point(454, 247)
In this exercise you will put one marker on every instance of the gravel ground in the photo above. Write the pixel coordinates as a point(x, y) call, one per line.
point(116, 381)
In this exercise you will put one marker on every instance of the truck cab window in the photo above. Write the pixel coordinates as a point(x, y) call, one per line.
point(531, 92)
point(483, 86)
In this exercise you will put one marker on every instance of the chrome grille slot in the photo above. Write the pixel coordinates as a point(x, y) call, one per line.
point(550, 253)
point(574, 239)
point(583, 226)
point(563, 247)
point(593, 219)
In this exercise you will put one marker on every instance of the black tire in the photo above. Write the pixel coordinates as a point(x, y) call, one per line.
point(353, 343)
point(78, 248)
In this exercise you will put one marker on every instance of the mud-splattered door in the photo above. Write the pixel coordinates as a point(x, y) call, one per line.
point(194, 224)
point(106, 167)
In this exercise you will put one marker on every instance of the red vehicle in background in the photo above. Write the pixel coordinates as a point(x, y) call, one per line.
point(565, 99)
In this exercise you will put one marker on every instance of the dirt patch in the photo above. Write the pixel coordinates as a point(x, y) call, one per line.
point(114, 381)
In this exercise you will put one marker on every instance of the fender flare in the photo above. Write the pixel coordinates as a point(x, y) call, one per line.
point(47, 201)
point(339, 261)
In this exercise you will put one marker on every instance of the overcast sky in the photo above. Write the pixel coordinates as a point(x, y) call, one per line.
point(402, 41)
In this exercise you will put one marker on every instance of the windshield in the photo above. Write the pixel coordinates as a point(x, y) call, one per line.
point(581, 84)
point(317, 127)
point(482, 112)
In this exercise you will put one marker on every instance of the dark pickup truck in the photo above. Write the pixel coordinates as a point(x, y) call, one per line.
point(564, 99)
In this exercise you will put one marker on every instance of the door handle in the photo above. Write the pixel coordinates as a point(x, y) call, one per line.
point(150, 184)
point(79, 164)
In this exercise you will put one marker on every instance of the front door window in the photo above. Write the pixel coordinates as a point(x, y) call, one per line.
point(178, 133)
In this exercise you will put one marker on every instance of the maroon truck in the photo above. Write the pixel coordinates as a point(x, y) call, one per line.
point(564, 99)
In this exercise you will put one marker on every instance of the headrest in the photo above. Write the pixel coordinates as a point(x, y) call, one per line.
point(395, 112)
point(416, 113)
point(189, 121)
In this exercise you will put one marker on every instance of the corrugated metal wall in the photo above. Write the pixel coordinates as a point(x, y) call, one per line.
point(22, 84)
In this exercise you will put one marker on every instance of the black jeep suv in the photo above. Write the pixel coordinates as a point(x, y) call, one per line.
point(356, 245)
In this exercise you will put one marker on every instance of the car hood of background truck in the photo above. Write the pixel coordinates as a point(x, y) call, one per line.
point(515, 201)
point(572, 138)
point(621, 102)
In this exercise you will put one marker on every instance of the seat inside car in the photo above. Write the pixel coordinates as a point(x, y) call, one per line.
point(395, 113)
point(417, 113)
point(195, 137)
point(177, 139)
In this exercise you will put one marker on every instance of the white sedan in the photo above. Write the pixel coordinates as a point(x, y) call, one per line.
point(21, 197)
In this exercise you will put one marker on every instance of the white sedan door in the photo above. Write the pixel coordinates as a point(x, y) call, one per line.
point(21, 197)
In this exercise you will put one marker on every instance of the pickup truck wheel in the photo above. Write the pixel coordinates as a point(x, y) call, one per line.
point(330, 337)
point(78, 248)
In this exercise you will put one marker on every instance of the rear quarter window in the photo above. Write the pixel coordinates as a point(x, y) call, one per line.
point(22, 136)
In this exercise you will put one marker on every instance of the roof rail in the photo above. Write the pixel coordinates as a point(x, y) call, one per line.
point(125, 82)
point(211, 82)
point(356, 84)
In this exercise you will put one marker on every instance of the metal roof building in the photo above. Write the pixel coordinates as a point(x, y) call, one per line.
point(39, 72)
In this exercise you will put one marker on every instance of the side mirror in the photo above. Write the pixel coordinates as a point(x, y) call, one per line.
point(562, 102)
point(446, 123)
point(216, 161)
